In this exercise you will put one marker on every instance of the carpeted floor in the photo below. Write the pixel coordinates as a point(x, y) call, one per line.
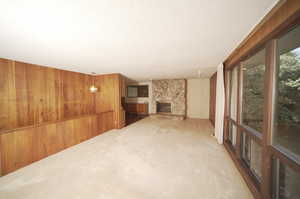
point(155, 158)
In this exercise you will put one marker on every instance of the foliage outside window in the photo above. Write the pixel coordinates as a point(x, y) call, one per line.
point(253, 91)
point(284, 116)
point(287, 120)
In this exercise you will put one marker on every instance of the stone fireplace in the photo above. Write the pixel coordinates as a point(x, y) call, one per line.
point(169, 97)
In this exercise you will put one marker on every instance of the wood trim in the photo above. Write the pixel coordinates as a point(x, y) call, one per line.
point(279, 18)
point(256, 28)
point(212, 98)
point(283, 158)
point(252, 133)
point(46, 123)
point(226, 111)
point(234, 122)
point(244, 172)
point(239, 131)
point(269, 94)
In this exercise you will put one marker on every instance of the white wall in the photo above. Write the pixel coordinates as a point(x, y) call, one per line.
point(198, 98)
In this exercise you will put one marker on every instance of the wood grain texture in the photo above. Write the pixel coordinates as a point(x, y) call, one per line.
point(212, 98)
point(137, 108)
point(31, 94)
point(106, 97)
point(279, 17)
point(23, 146)
point(45, 110)
point(106, 121)
point(109, 97)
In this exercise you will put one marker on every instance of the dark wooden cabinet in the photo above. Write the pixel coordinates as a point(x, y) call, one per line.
point(137, 108)
point(143, 91)
point(134, 91)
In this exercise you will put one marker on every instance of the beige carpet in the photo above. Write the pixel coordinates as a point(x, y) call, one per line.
point(155, 158)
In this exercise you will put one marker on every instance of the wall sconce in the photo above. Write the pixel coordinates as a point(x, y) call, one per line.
point(93, 88)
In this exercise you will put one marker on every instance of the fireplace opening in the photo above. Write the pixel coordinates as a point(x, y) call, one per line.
point(163, 107)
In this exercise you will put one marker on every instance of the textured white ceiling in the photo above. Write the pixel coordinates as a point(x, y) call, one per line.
point(142, 39)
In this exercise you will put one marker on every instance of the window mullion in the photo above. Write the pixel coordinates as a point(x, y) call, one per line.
point(239, 101)
point(268, 118)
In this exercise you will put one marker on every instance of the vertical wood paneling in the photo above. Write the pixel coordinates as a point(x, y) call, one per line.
point(77, 99)
point(109, 97)
point(22, 147)
point(106, 121)
point(45, 110)
point(105, 98)
point(4, 93)
point(8, 115)
point(31, 94)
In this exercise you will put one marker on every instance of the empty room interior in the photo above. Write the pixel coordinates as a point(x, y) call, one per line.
point(158, 99)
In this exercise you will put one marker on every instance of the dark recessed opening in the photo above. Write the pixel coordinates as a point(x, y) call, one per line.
point(163, 107)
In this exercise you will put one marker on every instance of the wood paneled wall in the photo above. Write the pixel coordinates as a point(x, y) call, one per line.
point(31, 94)
point(23, 146)
point(109, 97)
point(45, 110)
point(212, 98)
point(106, 121)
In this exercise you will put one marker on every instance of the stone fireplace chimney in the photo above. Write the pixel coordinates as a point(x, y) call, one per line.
point(169, 97)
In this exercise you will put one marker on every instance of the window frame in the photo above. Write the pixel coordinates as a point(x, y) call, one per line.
point(264, 139)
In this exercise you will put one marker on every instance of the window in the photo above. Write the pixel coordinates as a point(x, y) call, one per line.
point(253, 91)
point(251, 154)
point(264, 125)
point(232, 133)
point(287, 121)
point(286, 182)
point(233, 93)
